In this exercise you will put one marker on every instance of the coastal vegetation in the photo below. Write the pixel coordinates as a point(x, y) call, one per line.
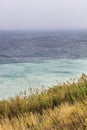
point(61, 107)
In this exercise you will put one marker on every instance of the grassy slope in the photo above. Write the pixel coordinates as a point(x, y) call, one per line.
point(61, 107)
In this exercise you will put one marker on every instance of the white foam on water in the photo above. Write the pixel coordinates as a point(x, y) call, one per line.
point(20, 76)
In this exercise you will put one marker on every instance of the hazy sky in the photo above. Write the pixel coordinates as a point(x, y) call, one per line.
point(43, 14)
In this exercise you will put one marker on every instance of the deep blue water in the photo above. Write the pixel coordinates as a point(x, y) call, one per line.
point(29, 46)
point(35, 58)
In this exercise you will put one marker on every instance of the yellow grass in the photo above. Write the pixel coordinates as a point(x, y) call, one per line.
point(64, 117)
point(62, 107)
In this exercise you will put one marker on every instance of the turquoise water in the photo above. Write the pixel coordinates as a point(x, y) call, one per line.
point(15, 77)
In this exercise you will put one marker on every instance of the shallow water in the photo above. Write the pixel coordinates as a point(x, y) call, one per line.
point(20, 76)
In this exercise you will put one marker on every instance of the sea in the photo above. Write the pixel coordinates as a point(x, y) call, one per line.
point(40, 58)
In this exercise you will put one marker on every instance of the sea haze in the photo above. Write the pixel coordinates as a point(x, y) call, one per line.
point(35, 58)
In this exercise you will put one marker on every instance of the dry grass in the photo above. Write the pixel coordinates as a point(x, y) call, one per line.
point(64, 117)
point(61, 107)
